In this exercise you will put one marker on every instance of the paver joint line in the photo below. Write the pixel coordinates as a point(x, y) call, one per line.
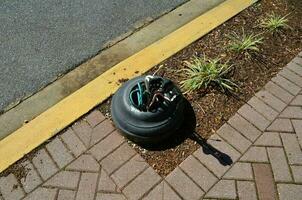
point(280, 175)
point(277, 161)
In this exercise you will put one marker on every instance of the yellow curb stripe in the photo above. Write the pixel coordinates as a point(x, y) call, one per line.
point(56, 118)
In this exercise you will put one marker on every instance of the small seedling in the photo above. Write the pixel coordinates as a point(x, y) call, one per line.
point(244, 42)
point(275, 22)
point(203, 72)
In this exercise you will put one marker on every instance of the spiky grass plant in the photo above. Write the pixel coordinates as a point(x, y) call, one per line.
point(244, 42)
point(202, 72)
point(274, 22)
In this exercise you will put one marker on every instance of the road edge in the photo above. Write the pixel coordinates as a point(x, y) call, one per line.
point(124, 47)
point(62, 114)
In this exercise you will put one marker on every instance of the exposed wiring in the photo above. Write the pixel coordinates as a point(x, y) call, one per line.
point(147, 82)
point(140, 95)
point(150, 92)
point(131, 96)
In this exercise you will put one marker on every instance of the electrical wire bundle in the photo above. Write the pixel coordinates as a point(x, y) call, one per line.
point(148, 109)
point(153, 93)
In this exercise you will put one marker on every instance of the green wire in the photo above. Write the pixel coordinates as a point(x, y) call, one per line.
point(140, 95)
point(131, 99)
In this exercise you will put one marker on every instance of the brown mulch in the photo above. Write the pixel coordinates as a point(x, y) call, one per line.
point(212, 107)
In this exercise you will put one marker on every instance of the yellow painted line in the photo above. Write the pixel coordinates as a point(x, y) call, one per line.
point(56, 118)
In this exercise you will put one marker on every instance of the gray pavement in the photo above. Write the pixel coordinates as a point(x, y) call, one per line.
point(43, 39)
point(258, 160)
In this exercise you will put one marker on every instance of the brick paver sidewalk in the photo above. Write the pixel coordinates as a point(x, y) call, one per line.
point(92, 161)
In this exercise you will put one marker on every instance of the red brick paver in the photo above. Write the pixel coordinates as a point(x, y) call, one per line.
point(264, 181)
point(92, 161)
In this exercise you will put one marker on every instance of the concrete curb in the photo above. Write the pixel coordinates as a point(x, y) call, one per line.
point(59, 116)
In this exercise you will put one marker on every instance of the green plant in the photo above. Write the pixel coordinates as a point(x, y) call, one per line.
point(274, 22)
point(244, 42)
point(202, 72)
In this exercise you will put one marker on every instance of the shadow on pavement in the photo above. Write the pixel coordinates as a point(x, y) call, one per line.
point(186, 131)
point(223, 158)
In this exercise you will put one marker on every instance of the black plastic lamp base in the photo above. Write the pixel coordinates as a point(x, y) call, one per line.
point(146, 126)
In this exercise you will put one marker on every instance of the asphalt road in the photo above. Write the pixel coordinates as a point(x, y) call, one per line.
point(42, 39)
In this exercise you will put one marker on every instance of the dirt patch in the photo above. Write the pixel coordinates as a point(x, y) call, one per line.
point(18, 170)
point(213, 108)
point(123, 80)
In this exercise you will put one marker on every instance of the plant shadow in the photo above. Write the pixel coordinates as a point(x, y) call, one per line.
point(187, 131)
point(223, 158)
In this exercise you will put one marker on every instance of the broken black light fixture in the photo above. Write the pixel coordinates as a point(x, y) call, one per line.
point(148, 109)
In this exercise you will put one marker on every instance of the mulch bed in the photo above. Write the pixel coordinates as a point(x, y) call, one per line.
point(212, 107)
